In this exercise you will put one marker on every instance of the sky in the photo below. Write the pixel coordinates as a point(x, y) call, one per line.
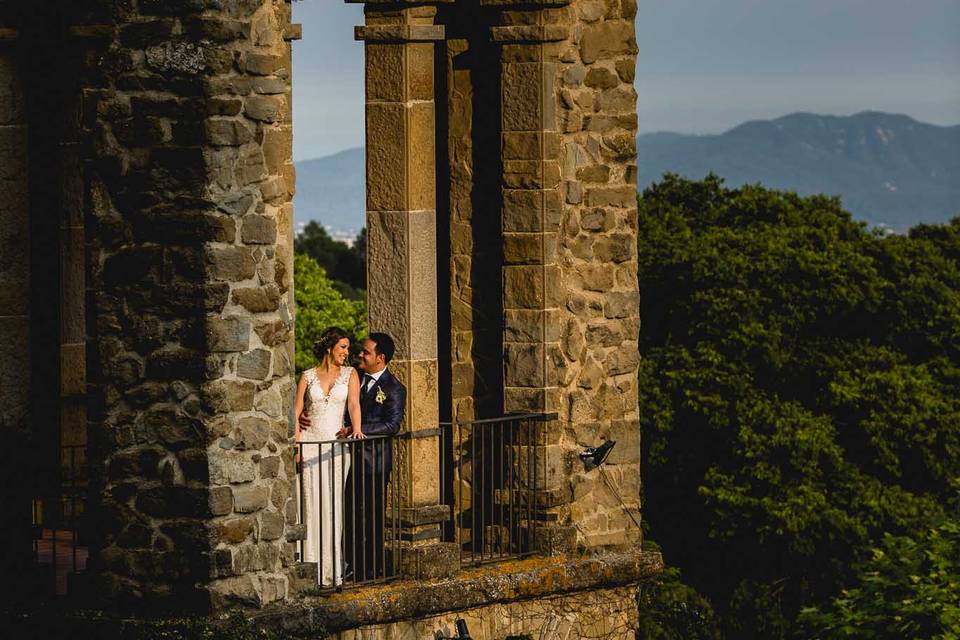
point(704, 65)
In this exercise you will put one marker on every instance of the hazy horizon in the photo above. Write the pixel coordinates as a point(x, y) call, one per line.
point(695, 133)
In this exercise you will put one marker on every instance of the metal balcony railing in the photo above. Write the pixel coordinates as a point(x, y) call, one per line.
point(494, 476)
point(348, 500)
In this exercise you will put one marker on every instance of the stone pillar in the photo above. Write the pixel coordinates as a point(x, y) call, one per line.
point(571, 306)
point(600, 305)
point(402, 263)
point(15, 338)
point(530, 35)
point(15, 242)
point(188, 196)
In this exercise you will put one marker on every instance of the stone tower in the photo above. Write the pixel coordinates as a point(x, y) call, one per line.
point(147, 312)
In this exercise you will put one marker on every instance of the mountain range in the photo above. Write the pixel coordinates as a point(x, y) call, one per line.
point(890, 170)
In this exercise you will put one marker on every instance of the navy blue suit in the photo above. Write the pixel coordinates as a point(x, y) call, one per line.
point(369, 476)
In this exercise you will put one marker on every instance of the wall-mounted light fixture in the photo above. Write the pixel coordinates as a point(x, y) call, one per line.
point(593, 457)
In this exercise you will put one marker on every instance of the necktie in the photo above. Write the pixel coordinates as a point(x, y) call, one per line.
point(367, 383)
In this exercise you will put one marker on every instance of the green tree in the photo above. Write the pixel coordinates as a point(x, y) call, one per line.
point(909, 587)
point(320, 305)
point(798, 392)
point(346, 266)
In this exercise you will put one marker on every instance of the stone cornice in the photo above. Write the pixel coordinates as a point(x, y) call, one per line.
point(400, 2)
point(504, 582)
point(399, 33)
point(533, 4)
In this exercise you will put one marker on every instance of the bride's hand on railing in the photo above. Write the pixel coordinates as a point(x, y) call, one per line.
point(297, 458)
point(356, 434)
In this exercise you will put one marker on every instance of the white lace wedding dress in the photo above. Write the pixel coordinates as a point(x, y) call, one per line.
point(325, 469)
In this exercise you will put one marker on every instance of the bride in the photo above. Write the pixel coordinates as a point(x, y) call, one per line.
point(324, 394)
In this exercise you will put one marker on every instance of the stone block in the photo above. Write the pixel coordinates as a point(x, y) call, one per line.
point(271, 525)
point(616, 247)
point(607, 39)
point(523, 287)
point(531, 210)
point(419, 68)
point(527, 97)
point(524, 364)
point(273, 333)
point(387, 254)
point(420, 156)
point(221, 132)
point(270, 467)
point(597, 220)
point(249, 498)
point(265, 108)
point(601, 78)
point(227, 468)
point(227, 334)
point(11, 93)
point(263, 64)
point(623, 360)
point(252, 433)
point(386, 157)
point(254, 365)
point(385, 71)
point(230, 263)
point(530, 145)
point(612, 196)
point(233, 530)
point(626, 69)
point(228, 395)
point(73, 369)
point(256, 229)
point(422, 395)
point(277, 147)
point(621, 304)
point(531, 400)
point(422, 261)
point(595, 173)
point(554, 540)
point(433, 561)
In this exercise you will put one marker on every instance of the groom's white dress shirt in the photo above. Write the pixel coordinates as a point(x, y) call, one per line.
point(374, 377)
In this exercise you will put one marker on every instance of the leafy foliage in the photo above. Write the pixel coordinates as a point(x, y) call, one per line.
point(346, 266)
point(320, 305)
point(798, 391)
point(908, 588)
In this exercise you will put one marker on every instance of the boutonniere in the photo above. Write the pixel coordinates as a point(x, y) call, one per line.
point(380, 397)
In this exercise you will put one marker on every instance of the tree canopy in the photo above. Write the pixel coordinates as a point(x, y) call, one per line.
point(320, 305)
point(798, 394)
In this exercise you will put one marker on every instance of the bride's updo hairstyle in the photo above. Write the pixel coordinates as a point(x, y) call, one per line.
point(330, 337)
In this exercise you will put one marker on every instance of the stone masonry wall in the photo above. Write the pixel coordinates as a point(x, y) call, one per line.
point(599, 319)
point(14, 245)
point(606, 613)
point(189, 186)
point(554, 78)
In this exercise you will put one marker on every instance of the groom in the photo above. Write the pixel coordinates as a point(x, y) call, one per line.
point(382, 404)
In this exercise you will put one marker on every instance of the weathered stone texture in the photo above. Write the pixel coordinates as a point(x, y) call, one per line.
point(566, 237)
point(605, 613)
point(190, 196)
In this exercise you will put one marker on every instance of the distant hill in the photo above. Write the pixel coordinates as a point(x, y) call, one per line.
point(888, 169)
point(332, 190)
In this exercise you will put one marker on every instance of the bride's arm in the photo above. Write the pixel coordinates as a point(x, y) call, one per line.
point(298, 410)
point(353, 404)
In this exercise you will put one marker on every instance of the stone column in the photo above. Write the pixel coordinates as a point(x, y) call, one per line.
point(530, 35)
point(15, 243)
point(15, 283)
point(402, 263)
point(188, 203)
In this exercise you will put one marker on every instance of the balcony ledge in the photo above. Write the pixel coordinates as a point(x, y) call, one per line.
point(504, 582)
